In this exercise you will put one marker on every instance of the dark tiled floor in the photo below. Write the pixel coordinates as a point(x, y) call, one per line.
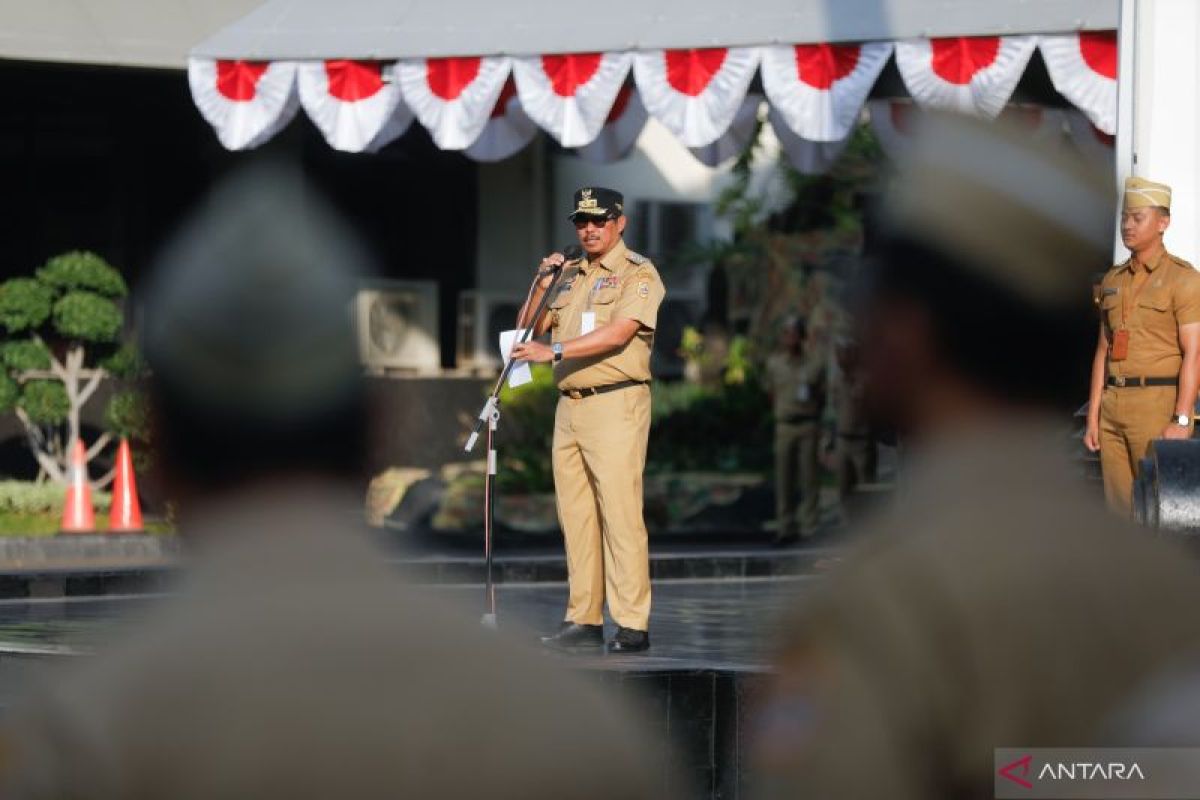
point(715, 624)
point(711, 638)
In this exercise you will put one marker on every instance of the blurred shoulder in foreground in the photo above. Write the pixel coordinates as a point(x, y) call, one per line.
point(997, 604)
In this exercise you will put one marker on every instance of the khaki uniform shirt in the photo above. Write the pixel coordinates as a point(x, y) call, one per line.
point(797, 385)
point(296, 665)
point(621, 285)
point(998, 605)
point(1152, 306)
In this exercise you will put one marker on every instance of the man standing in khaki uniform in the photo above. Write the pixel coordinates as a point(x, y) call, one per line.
point(856, 454)
point(796, 378)
point(996, 605)
point(603, 319)
point(1146, 368)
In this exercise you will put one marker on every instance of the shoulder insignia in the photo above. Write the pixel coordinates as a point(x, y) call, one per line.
point(1181, 262)
point(636, 258)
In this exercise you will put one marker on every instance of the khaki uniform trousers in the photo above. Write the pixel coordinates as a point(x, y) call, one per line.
point(599, 455)
point(797, 477)
point(1130, 418)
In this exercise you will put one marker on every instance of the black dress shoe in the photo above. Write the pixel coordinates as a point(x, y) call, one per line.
point(629, 640)
point(573, 636)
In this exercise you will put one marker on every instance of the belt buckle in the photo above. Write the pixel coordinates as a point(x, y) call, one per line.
point(1119, 380)
point(575, 394)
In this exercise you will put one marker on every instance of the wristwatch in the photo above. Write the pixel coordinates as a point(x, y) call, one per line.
point(557, 348)
point(1181, 419)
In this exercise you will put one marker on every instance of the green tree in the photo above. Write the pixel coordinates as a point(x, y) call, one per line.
point(61, 336)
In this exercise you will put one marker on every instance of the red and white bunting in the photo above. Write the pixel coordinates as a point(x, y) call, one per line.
point(570, 96)
point(621, 130)
point(1083, 68)
point(741, 133)
point(808, 157)
point(1093, 143)
point(453, 97)
point(819, 89)
point(973, 75)
point(247, 102)
point(508, 131)
point(695, 93)
point(353, 103)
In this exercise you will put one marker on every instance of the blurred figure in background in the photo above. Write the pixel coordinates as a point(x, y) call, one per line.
point(293, 664)
point(855, 454)
point(997, 604)
point(796, 380)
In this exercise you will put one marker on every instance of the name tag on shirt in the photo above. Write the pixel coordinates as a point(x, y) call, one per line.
point(588, 323)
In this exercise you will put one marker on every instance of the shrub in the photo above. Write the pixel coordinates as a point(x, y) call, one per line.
point(23, 497)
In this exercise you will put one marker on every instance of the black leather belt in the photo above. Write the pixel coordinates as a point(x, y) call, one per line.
point(579, 394)
point(1122, 381)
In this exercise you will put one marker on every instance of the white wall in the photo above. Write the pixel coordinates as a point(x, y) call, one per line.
point(524, 201)
point(1166, 124)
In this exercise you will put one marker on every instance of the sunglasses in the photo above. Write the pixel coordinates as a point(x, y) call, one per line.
point(582, 222)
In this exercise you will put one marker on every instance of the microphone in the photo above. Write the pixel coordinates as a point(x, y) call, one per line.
point(571, 252)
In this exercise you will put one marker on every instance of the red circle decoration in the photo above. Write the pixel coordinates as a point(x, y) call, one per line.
point(958, 60)
point(1099, 51)
point(691, 71)
point(568, 73)
point(238, 80)
point(351, 81)
point(822, 65)
point(448, 77)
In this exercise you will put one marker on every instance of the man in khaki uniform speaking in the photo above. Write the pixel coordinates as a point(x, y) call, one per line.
point(1146, 368)
point(603, 319)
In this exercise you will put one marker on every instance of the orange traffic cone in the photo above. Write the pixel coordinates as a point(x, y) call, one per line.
point(78, 514)
point(126, 512)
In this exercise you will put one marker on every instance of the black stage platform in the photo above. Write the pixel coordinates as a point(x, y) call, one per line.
point(711, 642)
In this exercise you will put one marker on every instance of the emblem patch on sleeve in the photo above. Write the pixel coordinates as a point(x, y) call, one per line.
point(643, 289)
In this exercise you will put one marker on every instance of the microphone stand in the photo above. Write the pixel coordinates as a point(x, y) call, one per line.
point(489, 415)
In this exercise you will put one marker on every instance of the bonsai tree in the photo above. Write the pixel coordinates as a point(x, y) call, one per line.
point(60, 336)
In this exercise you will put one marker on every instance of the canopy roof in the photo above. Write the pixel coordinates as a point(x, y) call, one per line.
point(395, 29)
point(141, 33)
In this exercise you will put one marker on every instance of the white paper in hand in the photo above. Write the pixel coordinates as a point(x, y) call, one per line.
point(520, 374)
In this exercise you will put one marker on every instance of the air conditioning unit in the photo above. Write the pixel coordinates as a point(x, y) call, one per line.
point(397, 324)
point(482, 315)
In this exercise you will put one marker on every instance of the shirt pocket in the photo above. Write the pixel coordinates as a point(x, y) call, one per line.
point(1110, 310)
point(1154, 308)
point(557, 305)
point(604, 302)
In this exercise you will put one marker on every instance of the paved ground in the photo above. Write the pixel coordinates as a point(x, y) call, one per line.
point(716, 624)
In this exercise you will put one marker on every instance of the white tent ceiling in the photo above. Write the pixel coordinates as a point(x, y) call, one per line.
point(394, 29)
point(135, 33)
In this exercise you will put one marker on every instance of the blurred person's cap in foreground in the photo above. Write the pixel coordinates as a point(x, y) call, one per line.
point(1142, 193)
point(1020, 212)
point(247, 316)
